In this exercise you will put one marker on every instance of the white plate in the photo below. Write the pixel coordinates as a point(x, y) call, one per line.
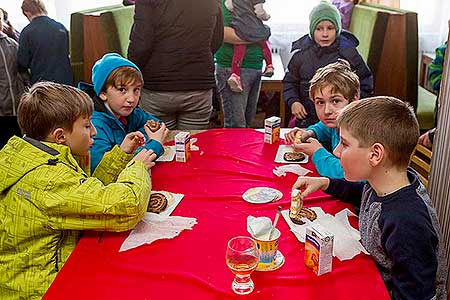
point(282, 149)
point(169, 154)
point(259, 195)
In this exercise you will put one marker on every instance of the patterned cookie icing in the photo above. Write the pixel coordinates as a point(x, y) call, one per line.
point(157, 203)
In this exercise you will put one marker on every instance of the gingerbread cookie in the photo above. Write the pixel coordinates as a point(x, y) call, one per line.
point(298, 137)
point(157, 203)
point(304, 213)
point(294, 156)
point(153, 125)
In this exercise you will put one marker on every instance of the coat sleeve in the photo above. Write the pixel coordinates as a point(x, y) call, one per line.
point(347, 191)
point(327, 164)
point(142, 34)
point(217, 38)
point(365, 76)
point(24, 54)
point(323, 133)
point(74, 202)
point(291, 81)
point(110, 166)
point(362, 70)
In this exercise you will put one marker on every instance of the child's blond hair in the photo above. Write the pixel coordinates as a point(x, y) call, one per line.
point(339, 76)
point(34, 7)
point(385, 120)
point(47, 106)
point(123, 76)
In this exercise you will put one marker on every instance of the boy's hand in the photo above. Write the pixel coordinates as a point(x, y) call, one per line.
point(309, 185)
point(147, 157)
point(298, 110)
point(159, 135)
point(309, 148)
point(424, 140)
point(132, 141)
point(290, 137)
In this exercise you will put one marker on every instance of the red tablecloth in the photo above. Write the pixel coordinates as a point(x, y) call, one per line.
point(192, 265)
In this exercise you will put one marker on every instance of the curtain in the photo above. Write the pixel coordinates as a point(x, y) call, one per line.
point(439, 186)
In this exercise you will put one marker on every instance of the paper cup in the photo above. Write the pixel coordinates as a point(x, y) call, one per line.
point(268, 248)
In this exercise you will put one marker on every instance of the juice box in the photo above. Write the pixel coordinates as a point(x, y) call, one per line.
point(272, 130)
point(182, 146)
point(318, 249)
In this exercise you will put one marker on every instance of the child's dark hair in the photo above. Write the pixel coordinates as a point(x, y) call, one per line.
point(47, 106)
point(339, 76)
point(123, 76)
point(385, 120)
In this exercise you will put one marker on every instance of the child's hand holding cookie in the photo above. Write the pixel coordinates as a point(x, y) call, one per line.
point(132, 141)
point(159, 134)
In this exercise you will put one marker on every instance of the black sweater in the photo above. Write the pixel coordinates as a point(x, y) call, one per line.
point(402, 234)
point(173, 43)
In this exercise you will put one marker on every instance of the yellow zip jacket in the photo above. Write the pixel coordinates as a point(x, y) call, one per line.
point(46, 199)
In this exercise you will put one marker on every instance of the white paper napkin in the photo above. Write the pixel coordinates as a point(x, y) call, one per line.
point(156, 227)
point(259, 227)
point(296, 169)
point(346, 238)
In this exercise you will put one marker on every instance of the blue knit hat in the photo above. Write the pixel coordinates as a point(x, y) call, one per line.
point(104, 66)
point(324, 11)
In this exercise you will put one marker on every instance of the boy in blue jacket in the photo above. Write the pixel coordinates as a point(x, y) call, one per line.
point(117, 86)
point(324, 44)
point(332, 88)
point(398, 224)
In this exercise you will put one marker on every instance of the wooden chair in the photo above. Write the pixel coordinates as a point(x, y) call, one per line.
point(420, 162)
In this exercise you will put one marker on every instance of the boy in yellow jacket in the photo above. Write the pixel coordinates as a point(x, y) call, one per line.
point(47, 198)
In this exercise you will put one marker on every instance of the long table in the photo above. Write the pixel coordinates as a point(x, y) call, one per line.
point(192, 265)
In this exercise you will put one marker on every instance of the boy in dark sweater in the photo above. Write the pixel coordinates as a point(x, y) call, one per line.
point(44, 46)
point(398, 224)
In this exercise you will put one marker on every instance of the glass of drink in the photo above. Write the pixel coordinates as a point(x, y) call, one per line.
point(242, 258)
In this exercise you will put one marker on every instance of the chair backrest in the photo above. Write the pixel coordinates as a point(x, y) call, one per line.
point(421, 162)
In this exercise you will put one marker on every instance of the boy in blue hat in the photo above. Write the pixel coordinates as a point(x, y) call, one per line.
point(325, 44)
point(116, 90)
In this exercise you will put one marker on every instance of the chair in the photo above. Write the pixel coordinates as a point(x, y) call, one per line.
point(420, 162)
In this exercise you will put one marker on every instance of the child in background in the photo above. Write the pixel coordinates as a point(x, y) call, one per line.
point(345, 8)
point(11, 85)
point(44, 46)
point(8, 29)
point(47, 199)
point(247, 23)
point(332, 88)
point(116, 90)
point(397, 222)
point(435, 77)
point(325, 44)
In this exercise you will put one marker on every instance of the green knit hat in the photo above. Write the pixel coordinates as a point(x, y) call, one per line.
point(324, 11)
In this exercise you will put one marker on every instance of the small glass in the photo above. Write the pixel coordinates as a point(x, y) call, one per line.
point(242, 258)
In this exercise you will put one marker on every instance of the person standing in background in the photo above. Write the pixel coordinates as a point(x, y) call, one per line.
point(44, 46)
point(173, 43)
point(11, 86)
point(239, 109)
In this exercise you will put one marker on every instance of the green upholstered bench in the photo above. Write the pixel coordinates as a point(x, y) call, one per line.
point(95, 32)
point(425, 108)
point(389, 44)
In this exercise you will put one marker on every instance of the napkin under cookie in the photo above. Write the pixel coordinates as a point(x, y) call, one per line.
point(156, 227)
point(346, 238)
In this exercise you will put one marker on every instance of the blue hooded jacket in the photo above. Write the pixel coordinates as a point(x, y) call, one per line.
point(111, 132)
point(308, 56)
